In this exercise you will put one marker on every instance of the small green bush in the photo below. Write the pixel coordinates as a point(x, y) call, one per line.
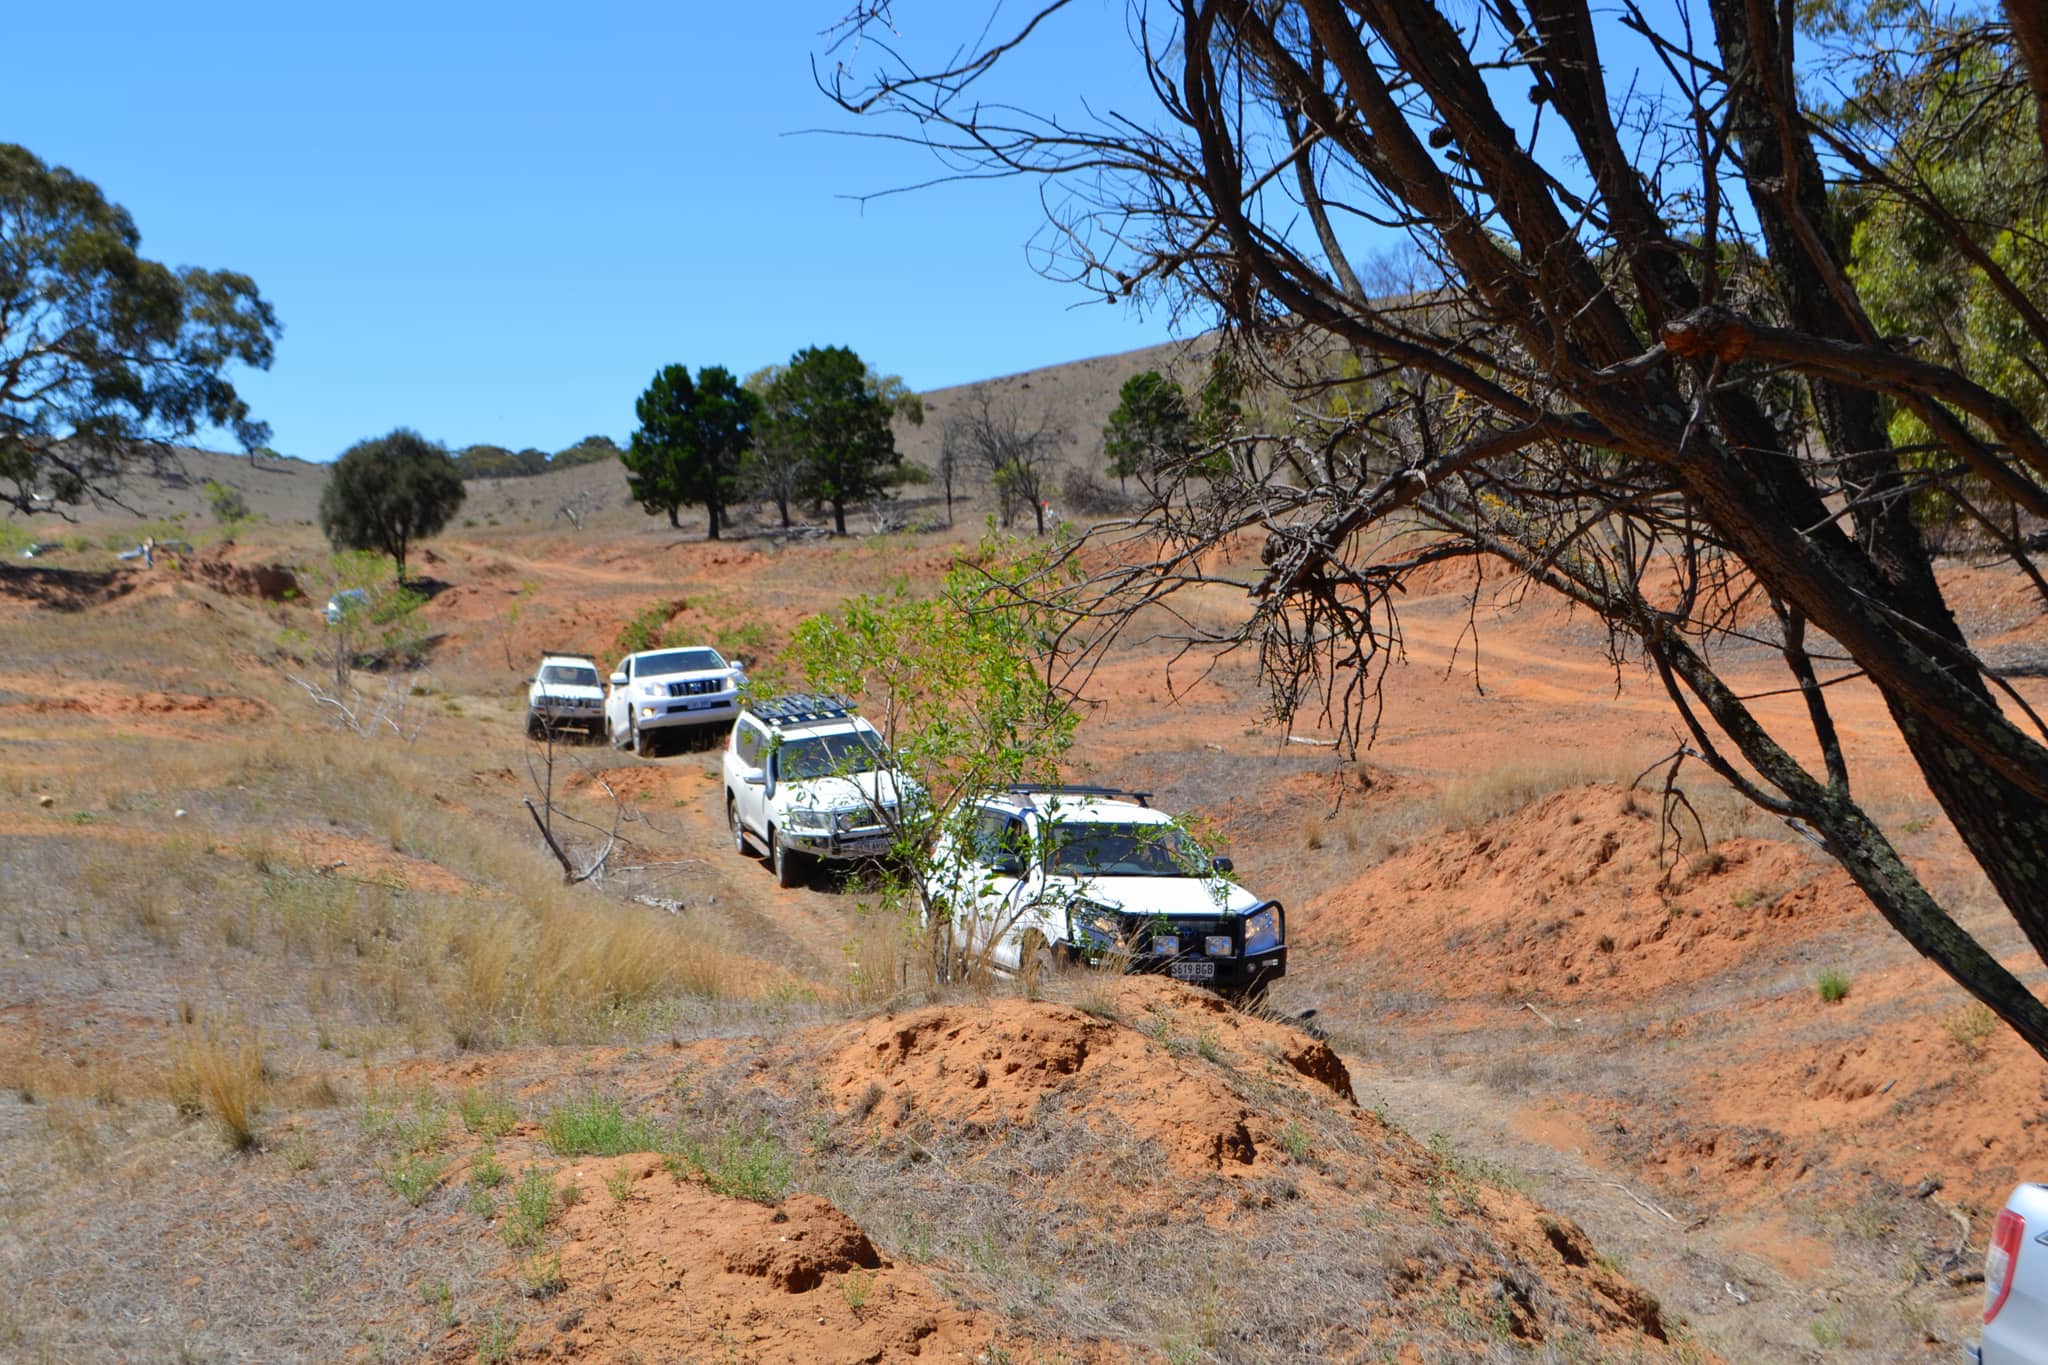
point(487, 1113)
point(644, 630)
point(595, 1126)
point(1833, 985)
point(533, 1204)
point(413, 1176)
point(751, 1167)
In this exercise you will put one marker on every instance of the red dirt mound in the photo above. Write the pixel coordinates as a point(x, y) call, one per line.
point(1571, 895)
point(271, 582)
point(1000, 1061)
point(675, 1272)
point(1253, 1124)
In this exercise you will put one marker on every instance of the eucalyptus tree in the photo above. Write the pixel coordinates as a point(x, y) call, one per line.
point(107, 358)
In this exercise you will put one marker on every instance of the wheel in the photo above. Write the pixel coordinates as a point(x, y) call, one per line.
point(643, 743)
point(532, 726)
point(739, 832)
point(611, 734)
point(791, 867)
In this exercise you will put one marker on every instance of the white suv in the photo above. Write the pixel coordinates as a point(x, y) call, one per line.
point(1045, 876)
point(566, 692)
point(807, 779)
point(670, 689)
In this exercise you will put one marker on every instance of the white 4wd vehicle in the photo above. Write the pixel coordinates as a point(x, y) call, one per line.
point(806, 779)
point(670, 690)
point(1054, 875)
point(566, 692)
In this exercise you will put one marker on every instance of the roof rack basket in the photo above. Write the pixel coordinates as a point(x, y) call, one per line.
point(800, 708)
point(1068, 789)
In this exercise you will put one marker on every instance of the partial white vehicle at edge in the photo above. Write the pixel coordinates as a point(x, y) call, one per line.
point(2016, 1284)
point(566, 692)
point(807, 780)
point(671, 691)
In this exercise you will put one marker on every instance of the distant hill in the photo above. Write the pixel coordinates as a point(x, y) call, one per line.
point(287, 491)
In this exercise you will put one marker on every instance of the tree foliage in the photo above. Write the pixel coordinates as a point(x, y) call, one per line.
point(387, 493)
point(1150, 428)
point(105, 355)
point(589, 450)
point(1630, 358)
point(692, 438)
point(957, 681)
point(829, 416)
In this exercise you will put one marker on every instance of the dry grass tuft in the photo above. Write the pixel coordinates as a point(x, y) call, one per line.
point(216, 1071)
point(1474, 800)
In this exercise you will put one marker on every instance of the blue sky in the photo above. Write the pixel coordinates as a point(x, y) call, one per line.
point(494, 223)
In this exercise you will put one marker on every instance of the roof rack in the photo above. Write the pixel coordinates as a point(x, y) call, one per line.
point(584, 655)
point(1068, 789)
point(800, 708)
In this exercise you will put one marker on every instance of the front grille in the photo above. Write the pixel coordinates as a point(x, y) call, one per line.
point(1138, 931)
point(695, 687)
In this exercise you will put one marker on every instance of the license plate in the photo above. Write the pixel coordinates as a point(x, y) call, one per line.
point(1193, 971)
point(862, 848)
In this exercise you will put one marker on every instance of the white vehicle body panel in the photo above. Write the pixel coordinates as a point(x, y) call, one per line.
point(2018, 1334)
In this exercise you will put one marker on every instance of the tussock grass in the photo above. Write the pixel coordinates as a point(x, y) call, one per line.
point(1833, 985)
point(885, 950)
point(216, 1071)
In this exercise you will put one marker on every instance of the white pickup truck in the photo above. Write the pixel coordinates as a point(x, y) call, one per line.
point(2016, 1284)
point(565, 693)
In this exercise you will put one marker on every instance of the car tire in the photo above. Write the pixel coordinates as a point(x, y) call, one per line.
point(791, 867)
point(532, 725)
point(739, 831)
point(643, 743)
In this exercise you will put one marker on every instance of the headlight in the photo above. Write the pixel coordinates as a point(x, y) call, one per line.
point(812, 821)
point(1094, 928)
point(1264, 929)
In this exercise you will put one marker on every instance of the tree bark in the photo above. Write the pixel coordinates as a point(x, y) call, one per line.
point(2029, 23)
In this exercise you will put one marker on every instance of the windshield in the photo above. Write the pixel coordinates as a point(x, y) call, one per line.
point(828, 755)
point(1102, 850)
point(678, 661)
point(569, 674)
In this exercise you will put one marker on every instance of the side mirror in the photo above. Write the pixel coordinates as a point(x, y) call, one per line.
point(1006, 865)
point(1221, 864)
point(618, 680)
point(738, 665)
